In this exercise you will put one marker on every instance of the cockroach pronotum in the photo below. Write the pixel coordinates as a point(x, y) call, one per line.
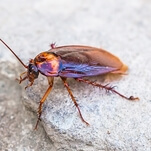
point(72, 61)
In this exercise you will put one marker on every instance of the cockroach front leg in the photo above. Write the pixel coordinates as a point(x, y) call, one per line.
point(29, 85)
point(20, 77)
point(106, 87)
point(50, 81)
point(73, 99)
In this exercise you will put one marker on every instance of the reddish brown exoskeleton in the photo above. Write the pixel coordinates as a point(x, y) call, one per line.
point(72, 61)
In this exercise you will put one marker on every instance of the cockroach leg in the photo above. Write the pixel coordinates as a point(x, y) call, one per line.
point(50, 81)
point(22, 74)
point(29, 85)
point(20, 77)
point(73, 99)
point(21, 80)
point(53, 45)
point(107, 88)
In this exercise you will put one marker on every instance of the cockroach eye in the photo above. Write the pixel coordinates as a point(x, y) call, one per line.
point(32, 70)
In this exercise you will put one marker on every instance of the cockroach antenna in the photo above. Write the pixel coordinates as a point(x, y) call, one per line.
point(13, 53)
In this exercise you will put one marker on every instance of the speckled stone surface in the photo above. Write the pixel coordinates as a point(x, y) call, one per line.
point(121, 27)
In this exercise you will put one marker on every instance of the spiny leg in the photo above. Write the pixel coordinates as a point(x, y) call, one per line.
point(106, 87)
point(73, 99)
point(22, 79)
point(50, 81)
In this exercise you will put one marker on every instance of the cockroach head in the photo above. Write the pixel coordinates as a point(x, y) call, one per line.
point(32, 72)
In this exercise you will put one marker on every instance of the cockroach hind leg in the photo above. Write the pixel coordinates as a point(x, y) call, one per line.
point(131, 98)
point(107, 88)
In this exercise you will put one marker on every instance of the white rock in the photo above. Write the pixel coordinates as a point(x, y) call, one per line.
point(115, 123)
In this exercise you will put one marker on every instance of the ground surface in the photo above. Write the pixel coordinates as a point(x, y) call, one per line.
point(122, 27)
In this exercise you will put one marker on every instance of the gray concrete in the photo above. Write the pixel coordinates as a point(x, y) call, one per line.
point(16, 121)
point(121, 27)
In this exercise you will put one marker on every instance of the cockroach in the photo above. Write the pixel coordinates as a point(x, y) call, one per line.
point(72, 61)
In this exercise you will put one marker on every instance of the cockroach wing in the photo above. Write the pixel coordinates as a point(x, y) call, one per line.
point(83, 61)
